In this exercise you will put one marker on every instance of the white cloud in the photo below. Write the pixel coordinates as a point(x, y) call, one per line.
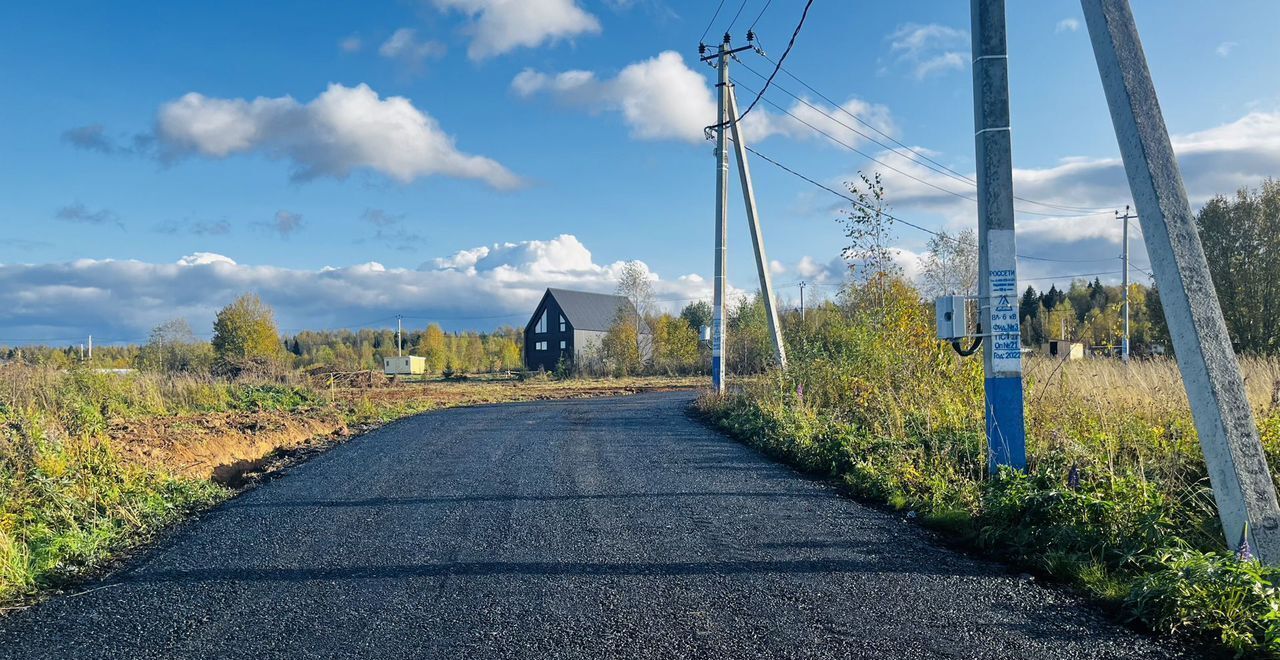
point(341, 130)
point(661, 98)
point(81, 214)
point(204, 258)
point(479, 288)
point(284, 223)
point(351, 44)
point(1067, 25)
point(929, 49)
point(1215, 161)
point(836, 122)
point(1224, 49)
point(500, 26)
point(405, 47)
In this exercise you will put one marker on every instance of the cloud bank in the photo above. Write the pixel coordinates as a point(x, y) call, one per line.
point(342, 130)
point(482, 287)
point(501, 26)
point(662, 98)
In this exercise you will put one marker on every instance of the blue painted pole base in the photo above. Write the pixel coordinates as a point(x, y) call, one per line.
point(1006, 424)
point(716, 374)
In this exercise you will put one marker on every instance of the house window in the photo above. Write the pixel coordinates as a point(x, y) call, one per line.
point(562, 324)
point(542, 323)
point(540, 346)
point(562, 344)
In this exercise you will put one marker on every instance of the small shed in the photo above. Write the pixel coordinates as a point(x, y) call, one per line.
point(567, 323)
point(1063, 349)
point(404, 365)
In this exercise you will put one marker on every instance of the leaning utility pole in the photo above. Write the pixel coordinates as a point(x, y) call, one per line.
point(727, 120)
point(1124, 257)
point(997, 260)
point(1238, 471)
point(757, 239)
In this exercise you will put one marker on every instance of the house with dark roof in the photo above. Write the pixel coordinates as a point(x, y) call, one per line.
point(568, 323)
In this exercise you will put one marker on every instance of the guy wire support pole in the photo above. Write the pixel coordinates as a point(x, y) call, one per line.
point(757, 238)
point(997, 260)
point(1242, 485)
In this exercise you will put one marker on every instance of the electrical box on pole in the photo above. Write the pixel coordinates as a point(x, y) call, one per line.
point(952, 319)
point(1238, 470)
point(997, 259)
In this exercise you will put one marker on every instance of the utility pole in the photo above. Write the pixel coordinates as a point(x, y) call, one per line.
point(802, 285)
point(722, 218)
point(997, 260)
point(1242, 486)
point(723, 124)
point(91, 348)
point(1124, 257)
point(398, 342)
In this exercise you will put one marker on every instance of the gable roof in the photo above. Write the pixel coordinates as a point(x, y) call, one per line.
point(592, 311)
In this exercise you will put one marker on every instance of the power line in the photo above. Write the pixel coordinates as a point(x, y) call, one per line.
point(898, 219)
point(910, 153)
point(762, 10)
point(735, 16)
point(790, 44)
point(873, 159)
point(711, 22)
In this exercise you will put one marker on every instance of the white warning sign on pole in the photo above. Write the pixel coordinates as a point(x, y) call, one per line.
point(1005, 332)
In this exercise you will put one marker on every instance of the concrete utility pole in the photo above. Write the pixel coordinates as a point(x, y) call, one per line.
point(997, 261)
point(718, 319)
point(757, 239)
point(1124, 256)
point(1242, 485)
point(802, 285)
point(727, 120)
point(398, 342)
point(90, 348)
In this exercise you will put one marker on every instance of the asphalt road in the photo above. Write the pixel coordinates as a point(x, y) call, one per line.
point(577, 529)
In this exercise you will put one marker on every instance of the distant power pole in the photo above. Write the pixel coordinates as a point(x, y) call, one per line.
point(997, 260)
point(398, 342)
point(802, 285)
point(1238, 471)
point(1124, 256)
point(90, 348)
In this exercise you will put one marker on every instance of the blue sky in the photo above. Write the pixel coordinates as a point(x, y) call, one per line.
point(497, 174)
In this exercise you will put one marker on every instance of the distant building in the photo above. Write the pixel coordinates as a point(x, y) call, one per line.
point(1063, 349)
point(567, 323)
point(404, 365)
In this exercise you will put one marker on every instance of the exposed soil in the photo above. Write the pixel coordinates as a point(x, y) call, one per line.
point(236, 449)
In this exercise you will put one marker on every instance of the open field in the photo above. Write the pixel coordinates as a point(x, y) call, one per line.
point(92, 464)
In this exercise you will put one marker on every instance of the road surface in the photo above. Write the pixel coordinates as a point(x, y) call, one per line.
point(577, 529)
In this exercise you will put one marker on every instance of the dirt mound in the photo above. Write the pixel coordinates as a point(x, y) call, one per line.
point(206, 445)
